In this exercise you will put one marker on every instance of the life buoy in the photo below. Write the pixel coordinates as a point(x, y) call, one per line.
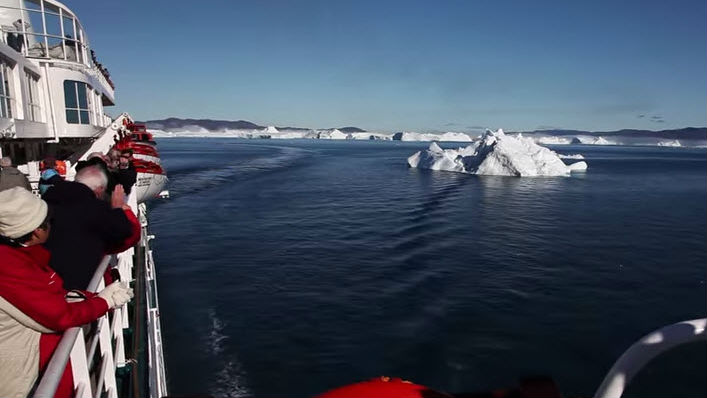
point(383, 387)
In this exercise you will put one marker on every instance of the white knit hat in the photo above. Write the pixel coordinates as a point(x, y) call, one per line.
point(20, 212)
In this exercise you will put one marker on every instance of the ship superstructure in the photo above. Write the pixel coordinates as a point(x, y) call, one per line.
point(54, 93)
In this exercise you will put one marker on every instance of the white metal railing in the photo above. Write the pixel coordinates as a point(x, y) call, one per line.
point(81, 348)
point(91, 379)
point(644, 350)
point(157, 373)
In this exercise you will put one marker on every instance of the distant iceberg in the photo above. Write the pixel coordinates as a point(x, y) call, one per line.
point(673, 143)
point(370, 136)
point(553, 140)
point(591, 140)
point(575, 156)
point(448, 136)
point(496, 154)
point(334, 134)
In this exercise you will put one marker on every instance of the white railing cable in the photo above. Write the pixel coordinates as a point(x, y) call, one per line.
point(644, 350)
point(51, 377)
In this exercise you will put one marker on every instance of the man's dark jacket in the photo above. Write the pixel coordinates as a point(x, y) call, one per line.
point(127, 178)
point(82, 230)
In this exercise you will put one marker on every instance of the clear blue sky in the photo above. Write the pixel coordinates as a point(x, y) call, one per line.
point(413, 65)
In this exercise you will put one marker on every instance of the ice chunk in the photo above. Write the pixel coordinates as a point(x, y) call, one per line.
point(448, 136)
point(553, 140)
point(591, 140)
point(496, 154)
point(270, 130)
point(575, 156)
point(674, 143)
point(333, 134)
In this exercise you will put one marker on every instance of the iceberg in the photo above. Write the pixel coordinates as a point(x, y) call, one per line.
point(674, 143)
point(553, 140)
point(270, 130)
point(448, 136)
point(575, 156)
point(496, 154)
point(369, 136)
point(591, 140)
point(334, 134)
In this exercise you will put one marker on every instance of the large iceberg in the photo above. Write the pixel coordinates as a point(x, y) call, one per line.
point(496, 154)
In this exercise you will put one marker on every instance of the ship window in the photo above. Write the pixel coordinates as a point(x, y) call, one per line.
point(32, 4)
point(76, 101)
point(33, 108)
point(5, 93)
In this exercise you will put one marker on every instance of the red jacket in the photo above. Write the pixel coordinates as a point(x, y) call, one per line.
point(27, 282)
point(131, 240)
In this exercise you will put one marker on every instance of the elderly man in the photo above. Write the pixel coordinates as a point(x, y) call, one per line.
point(86, 227)
point(33, 305)
point(11, 177)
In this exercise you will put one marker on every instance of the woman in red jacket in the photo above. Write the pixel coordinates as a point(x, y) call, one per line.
point(33, 306)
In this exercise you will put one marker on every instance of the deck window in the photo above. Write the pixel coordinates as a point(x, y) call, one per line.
point(33, 108)
point(5, 93)
point(76, 101)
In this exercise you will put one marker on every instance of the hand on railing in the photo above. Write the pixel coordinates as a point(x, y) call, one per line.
point(116, 294)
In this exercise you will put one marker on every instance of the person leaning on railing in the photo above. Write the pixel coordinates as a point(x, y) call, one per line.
point(83, 219)
point(33, 304)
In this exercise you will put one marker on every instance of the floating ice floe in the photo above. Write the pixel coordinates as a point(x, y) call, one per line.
point(674, 143)
point(448, 136)
point(591, 140)
point(496, 154)
point(575, 156)
point(370, 136)
point(553, 140)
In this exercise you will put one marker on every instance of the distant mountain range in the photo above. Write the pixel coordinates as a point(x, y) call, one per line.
point(173, 123)
point(687, 133)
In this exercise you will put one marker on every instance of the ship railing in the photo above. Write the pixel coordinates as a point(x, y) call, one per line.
point(646, 349)
point(98, 351)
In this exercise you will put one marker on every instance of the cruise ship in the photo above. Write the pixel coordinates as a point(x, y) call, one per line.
point(55, 96)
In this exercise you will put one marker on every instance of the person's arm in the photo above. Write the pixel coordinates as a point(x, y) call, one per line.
point(111, 222)
point(49, 308)
point(134, 237)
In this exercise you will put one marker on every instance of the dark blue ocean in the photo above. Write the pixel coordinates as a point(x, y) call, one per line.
point(290, 267)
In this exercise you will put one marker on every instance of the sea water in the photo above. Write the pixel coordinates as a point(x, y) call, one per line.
point(290, 267)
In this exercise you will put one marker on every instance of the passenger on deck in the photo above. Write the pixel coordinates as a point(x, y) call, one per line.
point(15, 37)
point(127, 175)
point(102, 161)
point(86, 227)
point(11, 177)
point(48, 179)
point(33, 305)
point(113, 162)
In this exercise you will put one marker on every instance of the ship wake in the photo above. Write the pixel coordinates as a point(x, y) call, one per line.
point(229, 381)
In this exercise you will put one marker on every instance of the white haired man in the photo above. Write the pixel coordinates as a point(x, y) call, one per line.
point(11, 177)
point(33, 305)
point(87, 227)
